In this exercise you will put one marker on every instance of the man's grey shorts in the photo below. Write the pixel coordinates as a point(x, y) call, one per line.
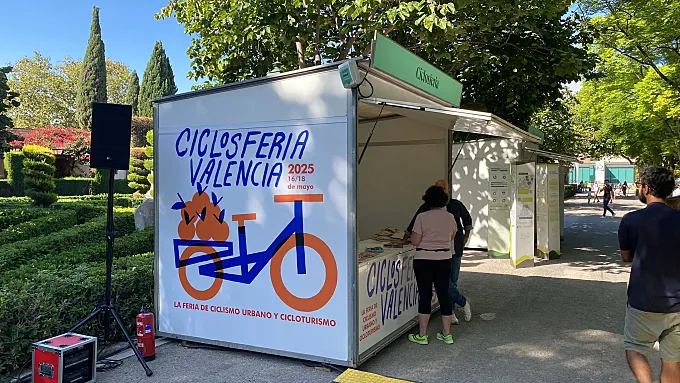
point(643, 329)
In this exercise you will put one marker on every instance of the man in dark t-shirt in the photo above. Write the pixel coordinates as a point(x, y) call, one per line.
point(607, 197)
point(464, 223)
point(650, 239)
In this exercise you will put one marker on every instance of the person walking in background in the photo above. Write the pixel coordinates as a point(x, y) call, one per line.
point(596, 190)
point(607, 198)
point(676, 192)
point(650, 239)
point(624, 188)
point(432, 234)
point(464, 226)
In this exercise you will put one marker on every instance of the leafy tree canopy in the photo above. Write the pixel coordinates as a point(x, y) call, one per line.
point(132, 92)
point(633, 109)
point(48, 90)
point(92, 86)
point(8, 100)
point(158, 80)
point(633, 101)
point(511, 56)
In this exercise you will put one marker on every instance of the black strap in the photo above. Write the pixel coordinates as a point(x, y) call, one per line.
point(436, 250)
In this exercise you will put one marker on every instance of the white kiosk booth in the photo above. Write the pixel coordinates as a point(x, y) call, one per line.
point(279, 202)
point(504, 212)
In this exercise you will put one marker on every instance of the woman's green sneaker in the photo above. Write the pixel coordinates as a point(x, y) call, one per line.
point(416, 338)
point(448, 339)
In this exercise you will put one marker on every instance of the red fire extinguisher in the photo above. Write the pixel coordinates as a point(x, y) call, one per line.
point(146, 335)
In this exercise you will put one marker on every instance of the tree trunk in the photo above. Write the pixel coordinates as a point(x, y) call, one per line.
point(300, 54)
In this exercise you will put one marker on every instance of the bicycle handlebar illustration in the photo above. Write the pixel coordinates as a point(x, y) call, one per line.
point(215, 258)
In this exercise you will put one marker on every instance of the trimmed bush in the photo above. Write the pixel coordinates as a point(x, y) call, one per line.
point(71, 186)
point(15, 216)
point(138, 175)
point(6, 188)
point(16, 254)
point(101, 183)
point(28, 311)
point(126, 246)
point(569, 190)
point(39, 174)
point(119, 200)
point(14, 162)
point(140, 126)
point(49, 222)
point(148, 163)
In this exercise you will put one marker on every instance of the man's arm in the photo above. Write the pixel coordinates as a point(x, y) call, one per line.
point(467, 222)
point(626, 255)
point(626, 242)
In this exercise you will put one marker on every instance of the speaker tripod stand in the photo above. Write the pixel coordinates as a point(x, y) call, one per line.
point(108, 308)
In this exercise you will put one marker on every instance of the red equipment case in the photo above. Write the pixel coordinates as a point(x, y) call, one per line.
point(146, 335)
point(67, 358)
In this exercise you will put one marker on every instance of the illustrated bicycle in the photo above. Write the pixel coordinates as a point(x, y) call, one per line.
point(214, 263)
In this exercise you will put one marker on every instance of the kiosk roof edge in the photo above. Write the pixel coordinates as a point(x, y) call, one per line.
point(249, 82)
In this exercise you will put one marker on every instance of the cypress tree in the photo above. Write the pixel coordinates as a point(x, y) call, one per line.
point(132, 94)
point(92, 84)
point(158, 80)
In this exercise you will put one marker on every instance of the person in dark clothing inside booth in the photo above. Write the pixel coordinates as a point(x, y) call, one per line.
point(464, 224)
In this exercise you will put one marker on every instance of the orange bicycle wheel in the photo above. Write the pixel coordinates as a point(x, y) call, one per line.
point(201, 295)
point(330, 283)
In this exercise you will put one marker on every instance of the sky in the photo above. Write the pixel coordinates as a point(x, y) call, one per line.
point(60, 28)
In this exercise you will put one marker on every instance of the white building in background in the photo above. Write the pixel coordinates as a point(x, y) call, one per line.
point(615, 169)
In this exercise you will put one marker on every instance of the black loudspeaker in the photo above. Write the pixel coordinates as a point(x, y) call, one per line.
point(111, 126)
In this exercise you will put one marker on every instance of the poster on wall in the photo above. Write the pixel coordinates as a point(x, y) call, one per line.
point(499, 188)
point(253, 234)
point(542, 203)
point(554, 217)
point(498, 241)
point(522, 214)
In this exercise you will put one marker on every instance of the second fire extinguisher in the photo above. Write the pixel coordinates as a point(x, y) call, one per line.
point(146, 335)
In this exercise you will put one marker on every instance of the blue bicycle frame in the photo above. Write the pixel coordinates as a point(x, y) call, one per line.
point(223, 259)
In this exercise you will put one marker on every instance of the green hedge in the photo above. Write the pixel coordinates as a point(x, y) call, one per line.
point(6, 188)
point(119, 200)
point(569, 190)
point(16, 254)
point(48, 303)
point(69, 186)
point(14, 163)
point(11, 217)
point(39, 172)
point(50, 221)
point(148, 162)
point(77, 186)
point(65, 202)
point(126, 246)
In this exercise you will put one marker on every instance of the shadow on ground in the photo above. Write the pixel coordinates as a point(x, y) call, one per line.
point(558, 322)
point(545, 330)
